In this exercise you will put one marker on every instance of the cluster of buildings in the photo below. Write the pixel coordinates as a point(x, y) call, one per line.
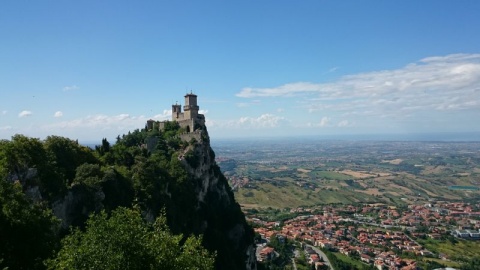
point(377, 234)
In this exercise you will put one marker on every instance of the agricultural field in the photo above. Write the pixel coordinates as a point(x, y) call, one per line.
point(283, 173)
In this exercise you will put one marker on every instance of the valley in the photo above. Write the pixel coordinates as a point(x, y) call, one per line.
point(364, 204)
point(294, 173)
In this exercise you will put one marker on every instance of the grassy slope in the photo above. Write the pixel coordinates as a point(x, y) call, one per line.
point(461, 248)
point(291, 195)
point(349, 260)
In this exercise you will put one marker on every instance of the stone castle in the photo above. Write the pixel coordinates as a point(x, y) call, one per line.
point(189, 119)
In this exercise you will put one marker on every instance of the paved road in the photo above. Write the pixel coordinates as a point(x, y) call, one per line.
point(321, 254)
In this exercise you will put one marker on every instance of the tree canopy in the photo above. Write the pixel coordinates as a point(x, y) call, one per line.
point(126, 241)
point(27, 230)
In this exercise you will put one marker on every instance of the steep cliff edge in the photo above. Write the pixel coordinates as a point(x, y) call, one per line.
point(223, 220)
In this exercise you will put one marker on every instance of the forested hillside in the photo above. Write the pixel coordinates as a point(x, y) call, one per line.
point(59, 200)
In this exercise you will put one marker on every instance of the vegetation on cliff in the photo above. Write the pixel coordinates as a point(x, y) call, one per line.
point(142, 173)
point(126, 241)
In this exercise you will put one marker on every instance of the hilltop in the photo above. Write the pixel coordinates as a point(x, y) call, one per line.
point(167, 169)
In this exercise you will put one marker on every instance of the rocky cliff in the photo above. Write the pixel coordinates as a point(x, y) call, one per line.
point(223, 217)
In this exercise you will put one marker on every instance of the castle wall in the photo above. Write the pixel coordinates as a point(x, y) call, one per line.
point(191, 112)
point(178, 116)
point(187, 137)
point(161, 125)
point(187, 124)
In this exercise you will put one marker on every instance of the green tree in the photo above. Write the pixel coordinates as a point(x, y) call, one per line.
point(27, 231)
point(472, 264)
point(126, 241)
point(88, 174)
point(67, 155)
point(22, 153)
point(104, 148)
point(148, 178)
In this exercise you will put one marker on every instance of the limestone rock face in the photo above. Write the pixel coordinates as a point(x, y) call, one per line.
point(77, 205)
point(214, 195)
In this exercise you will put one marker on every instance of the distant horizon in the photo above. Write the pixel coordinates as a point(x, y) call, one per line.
point(440, 136)
point(413, 137)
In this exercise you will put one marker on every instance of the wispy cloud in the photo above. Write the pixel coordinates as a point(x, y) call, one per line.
point(4, 112)
point(70, 88)
point(24, 114)
point(343, 123)
point(5, 128)
point(283, 90)
point(58, 114)
point(93, 126)
point(324, 122)
point(333, 69)
point(440, 83)
point(122, 121)
point(165, 115)
point(248, 104)
point(263, 121)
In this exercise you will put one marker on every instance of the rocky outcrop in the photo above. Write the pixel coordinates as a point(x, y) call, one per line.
point(79, 202)
point(214, 194)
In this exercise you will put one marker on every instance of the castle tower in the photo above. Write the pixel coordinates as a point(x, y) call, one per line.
point(191, 108)
point(177, 112)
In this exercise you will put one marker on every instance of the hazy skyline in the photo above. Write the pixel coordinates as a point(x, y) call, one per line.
point(88, 70)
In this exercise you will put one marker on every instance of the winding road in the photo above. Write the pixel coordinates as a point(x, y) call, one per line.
point(321, 254)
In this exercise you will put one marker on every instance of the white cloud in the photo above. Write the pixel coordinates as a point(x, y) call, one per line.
point(324, 121)
point(4, 112)
point(264, 121)
point(24, 114)
point(70, 88)
point(441, 83)
point(333, 69)
point(100, 121)
point(93, 127)
point(6, 128)
point(244, 104)
point(202, 111)
point(58, 114)
point(343, 123)
point(166, 115)
point(248, 104)
point(284, 90)
point(211, 123)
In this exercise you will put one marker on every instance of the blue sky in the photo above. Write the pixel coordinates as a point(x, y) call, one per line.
point(93, 69)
